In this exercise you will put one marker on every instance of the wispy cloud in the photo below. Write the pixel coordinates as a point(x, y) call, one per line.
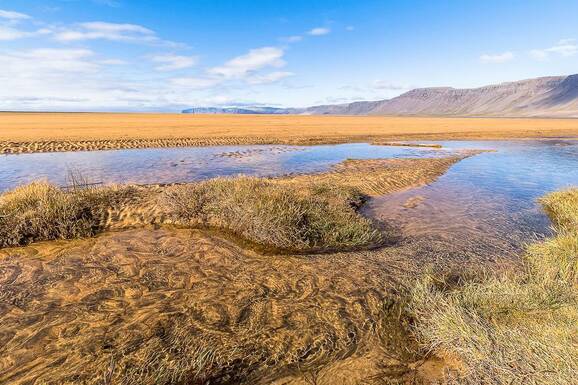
point(292, 39)
point(564, 48)
point(319, 31)
point(174, 62)
point(497, 58)
point(385, 85)
point(48, 59)
point(195, 83)
point(269, 78)
point(254, 60)
point(109, 3)
point(11, 15)
point(106, 31)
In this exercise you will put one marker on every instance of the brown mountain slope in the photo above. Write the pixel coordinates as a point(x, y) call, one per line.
point(548, 96)
point(553, 96)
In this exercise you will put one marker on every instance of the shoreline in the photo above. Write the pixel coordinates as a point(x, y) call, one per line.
point(58, 132)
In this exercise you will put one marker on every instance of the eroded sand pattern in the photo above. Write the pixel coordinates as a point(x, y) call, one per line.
point(124, 305)
point(179, 306)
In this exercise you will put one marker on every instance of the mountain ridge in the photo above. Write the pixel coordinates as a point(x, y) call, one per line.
point(550, 96)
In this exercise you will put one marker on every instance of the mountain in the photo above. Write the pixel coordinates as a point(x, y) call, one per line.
point(236, 110)
point(555, 96)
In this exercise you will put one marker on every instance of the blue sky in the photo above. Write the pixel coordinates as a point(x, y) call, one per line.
point(153, 55)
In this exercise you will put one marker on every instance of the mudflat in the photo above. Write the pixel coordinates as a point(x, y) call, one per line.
point(47, 132)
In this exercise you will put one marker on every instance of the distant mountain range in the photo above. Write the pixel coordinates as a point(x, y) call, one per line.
point(555, 96)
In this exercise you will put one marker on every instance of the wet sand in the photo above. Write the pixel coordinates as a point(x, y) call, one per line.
point(50, 132)
point(175, 306)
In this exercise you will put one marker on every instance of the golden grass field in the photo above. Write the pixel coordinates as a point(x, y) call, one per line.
point(41, 132)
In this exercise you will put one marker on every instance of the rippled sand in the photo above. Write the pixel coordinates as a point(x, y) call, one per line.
point(175, 306)
point(126, 302)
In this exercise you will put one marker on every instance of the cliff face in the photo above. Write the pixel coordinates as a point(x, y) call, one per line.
point(555, 96)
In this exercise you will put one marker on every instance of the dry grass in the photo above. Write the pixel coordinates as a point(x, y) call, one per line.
point(287, 216)
point(512, 329)
point(41, 211)
point(42, 132)
point(562, 207)
point(305, 213)
point(265, 212)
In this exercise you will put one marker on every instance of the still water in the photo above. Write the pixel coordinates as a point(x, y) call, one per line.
point(144, 166)
point(489, 199)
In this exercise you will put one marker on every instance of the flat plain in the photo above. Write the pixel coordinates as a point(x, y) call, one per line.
point(47, 132)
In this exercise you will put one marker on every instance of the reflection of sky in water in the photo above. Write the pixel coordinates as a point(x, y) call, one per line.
point(188, 164)
point(491, 193)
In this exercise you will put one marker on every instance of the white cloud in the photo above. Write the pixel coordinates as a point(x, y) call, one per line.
point(46, 60)
point(319, 31)
point(254, 60)
point(293, 39)
point(497, 58)
point(271, 77)
point(564, 48)
point(11, 15)
point(384, 85)
point(106, 31)
point(113, 62)
point(174, 62)
point(8, 33)
point(196, 83)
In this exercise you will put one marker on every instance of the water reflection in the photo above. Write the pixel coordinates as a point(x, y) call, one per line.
point(188, 164)
point(489, 200)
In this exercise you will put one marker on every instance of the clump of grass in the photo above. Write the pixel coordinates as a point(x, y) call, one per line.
point(275, 213)
point(511, 329)
point(562, 207)
point(41, 211)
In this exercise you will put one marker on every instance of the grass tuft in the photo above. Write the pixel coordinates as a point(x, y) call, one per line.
point(275, 213)
point(41, 211)
point(511, 329)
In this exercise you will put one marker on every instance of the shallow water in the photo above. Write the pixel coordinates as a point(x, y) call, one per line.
point(168, 165)
point(486, 202)
point(489, 201)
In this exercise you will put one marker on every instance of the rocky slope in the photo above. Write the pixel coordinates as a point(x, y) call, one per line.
point(555, 96)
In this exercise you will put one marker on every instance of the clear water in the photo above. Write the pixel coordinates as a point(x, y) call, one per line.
point(144, 166)
point(488, 199)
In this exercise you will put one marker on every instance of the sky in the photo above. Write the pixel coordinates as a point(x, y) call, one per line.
point(159, 55)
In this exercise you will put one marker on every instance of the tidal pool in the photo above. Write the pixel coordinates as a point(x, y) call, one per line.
point(486, 202)
point(185, 164)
